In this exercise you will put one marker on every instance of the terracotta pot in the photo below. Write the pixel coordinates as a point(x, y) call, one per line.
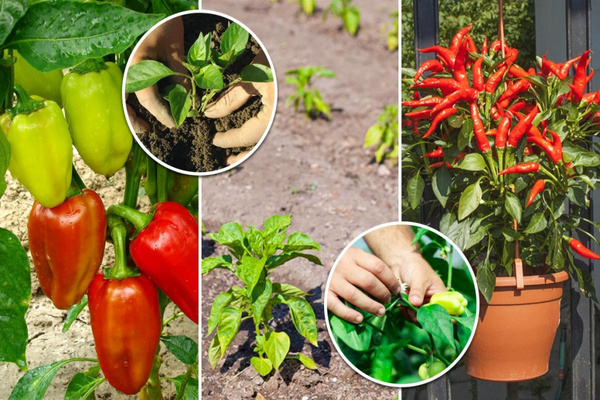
point(516, 330)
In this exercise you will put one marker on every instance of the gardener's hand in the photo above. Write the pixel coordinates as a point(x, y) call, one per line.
point(360, 270)
point(232, 99)
point(164, 44)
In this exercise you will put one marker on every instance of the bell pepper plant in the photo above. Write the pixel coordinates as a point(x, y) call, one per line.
point(67, 226)
point(409, 344)
point(305, 94)
point(253, 255)
point(504, 148)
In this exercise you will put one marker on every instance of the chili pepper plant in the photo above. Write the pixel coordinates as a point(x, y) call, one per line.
point(253, 255)
point(396, 348)
point(503, 149)
point(384, 134)
point(206, 62)
point(311, 98)
point(68, 226)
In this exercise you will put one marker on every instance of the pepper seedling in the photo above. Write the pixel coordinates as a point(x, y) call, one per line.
point(384, 133)
point(349, 14)
point(313, 102)
point(206, 62)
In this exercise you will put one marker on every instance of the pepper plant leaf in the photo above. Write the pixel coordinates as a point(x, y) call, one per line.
point(199, 53)
point(469, 200)
point(34, 384)
point(145, 74)
point(299, 241)
point(257, 73)
point(277, 345)
point(214, 352)
point(180, 102)
point(224, 261)
point(303, 317)
point(234, 39)
point(436, 320)
point(209, 77)
point(415, 188)
point(82, 387)
point(262, 365)
point(229, 325)
point(170, 7)
point(10, 13)
point(261, 295)
point(441, 185)
point(306, 361)
point(249, 270)
point(185, 349)
point(74, 312)
point(219, 304)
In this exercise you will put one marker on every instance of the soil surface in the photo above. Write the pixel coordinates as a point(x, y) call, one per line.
point(316, 171)
point(46, 342)
point(190, 147)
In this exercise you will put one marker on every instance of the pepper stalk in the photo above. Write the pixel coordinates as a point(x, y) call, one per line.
point(121, 270)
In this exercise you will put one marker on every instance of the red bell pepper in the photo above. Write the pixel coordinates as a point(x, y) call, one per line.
point(67, 246)
point(165, 247)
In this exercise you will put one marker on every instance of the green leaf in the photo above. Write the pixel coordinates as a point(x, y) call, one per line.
point(224, 261)
point(190, 392)
point(219, 304)
point(234, 39)
point(288, 290)
point(513, 206)
point(276, 347)
point(308, 6)
point(15, 281)
point(183, 348)
point(82, 387)
point(306, 361)
point(209, 77)
point(74, 312)
point(10, 13)
point(249, 271)
point(170, 7)
point(441, 185)
point(351, 20)
point(145, 74)
point(356, 337)
point(472, 162)
point(260, 297)
point(299, 241)
point(373, 135)
point(436, 320)
point(464, 329)
point(229, 325)
point(486, 281)
point(256, 73)
point(262, 365)
point(214, 352)
point(303, 317)
point(414, 188)
point(181, 104)
point(230, 235)
point(199, 53)
point(283, 258)
point(278, 223)
point(537, 224)
point(469, 200)
point(61, 34)
point(34, 384)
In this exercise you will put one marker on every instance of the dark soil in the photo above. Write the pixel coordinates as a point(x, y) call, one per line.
point(316, 171)
point(190, 147)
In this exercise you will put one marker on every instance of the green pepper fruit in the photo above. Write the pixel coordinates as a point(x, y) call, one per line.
point(41, 148)
point(453, 302)
point(91, 94)
point(43, 84)
point(181, 188)
point(435, 368)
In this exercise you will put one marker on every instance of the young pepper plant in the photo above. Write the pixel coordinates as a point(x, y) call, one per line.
point(384, 133)
point(314, 105)
point(206, 63)
point(349, 14)
point(253, 255)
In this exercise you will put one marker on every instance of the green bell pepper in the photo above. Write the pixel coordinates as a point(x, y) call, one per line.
point(91, 94)
point(453, 302)
point(43, 84)
point(428, 371)
point(41, 148)
point(181, 188)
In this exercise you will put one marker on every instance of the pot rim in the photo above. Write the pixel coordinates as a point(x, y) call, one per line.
point(533, 280)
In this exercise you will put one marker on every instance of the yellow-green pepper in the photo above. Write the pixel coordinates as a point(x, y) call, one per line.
point(428, 371)
point(91, 96)
point(41, 148)
point(181, 188)
point(453, 302)
point(43, 84)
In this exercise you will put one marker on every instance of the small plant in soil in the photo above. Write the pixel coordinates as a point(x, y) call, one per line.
point(349, 14)
point(396, 348)
point(307, 6)
point(313, 102)
point(253, 255)
point(206, 61)
point(391, 32)
point(384, 133)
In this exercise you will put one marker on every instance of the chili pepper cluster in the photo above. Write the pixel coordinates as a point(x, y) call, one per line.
point(485, 86)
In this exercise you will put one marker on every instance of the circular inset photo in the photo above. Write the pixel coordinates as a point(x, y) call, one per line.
point(402, 304)
point(200, 92)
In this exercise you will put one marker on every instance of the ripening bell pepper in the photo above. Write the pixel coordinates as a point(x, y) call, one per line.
point(43, 84)
point(181, 188)
point(41, 148)
point(91, 96)
point(67, 246)
point(165, 247)
point(453, 302)
point(126, 323)
point(428, 371)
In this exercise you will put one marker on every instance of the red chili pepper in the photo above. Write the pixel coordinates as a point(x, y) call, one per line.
point(470, 45)
point(583, 251)
point(597, 97)
point(442, 115)
point(438, 152)
point(496, 44)
point(522, 85)
point(564, 68)
point(516, 107)
point(420, 114)
point(517, 71)
point(480, 137)
point(552, 149)
point(524, 168)
point(452, 99)
point(458, 38)
point(580, 79)
point(521, 128)
point(478, 82)
point(460, 73)
point(492, 132)
point(445, 54)
point(512, 57)
point(446, 85)
point(537, 188)
point(426, 102)
point(548, 65)
point(494, 80)
point(430, 65)
point(484, 46)
point(528, 151)
point(502, 105)
point(495, 113)
point(439, 164)
point(503, 129)
point(166, 249)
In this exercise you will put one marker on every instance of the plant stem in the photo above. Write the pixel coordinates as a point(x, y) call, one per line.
point(436, 351)
point(374, 327)
point(134, 169)
point(121, 270)
point(417, 349)
point(188, 375)
point(450, 252)
point(161, 183)
point(152, 389)
point(172, 318)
